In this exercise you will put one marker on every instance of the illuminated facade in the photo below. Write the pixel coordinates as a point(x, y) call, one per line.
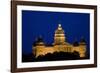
point(60, 45)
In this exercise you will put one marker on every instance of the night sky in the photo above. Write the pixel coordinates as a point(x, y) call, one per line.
point(40, 23)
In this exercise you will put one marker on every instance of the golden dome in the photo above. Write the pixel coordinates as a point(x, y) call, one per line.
point(59, 30)
point(59, 36)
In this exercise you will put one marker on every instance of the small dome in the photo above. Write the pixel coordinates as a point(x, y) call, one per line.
point(39, 41)
point(75, 43)
point(82, 41)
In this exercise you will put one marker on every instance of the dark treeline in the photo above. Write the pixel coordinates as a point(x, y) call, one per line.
point(52, 57)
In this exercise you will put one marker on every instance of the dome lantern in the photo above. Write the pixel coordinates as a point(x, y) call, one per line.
point(59, 27)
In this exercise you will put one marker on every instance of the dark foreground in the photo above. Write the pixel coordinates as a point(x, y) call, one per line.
point(52, 57)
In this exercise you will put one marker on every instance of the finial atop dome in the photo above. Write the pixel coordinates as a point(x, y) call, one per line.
point(59, 27)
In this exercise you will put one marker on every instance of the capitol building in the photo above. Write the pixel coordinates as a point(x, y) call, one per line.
point(59, 45)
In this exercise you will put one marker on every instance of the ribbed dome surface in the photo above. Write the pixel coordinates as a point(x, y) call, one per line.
point(59, 30)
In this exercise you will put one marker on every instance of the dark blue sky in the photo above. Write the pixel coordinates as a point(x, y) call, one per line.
point(36, 23)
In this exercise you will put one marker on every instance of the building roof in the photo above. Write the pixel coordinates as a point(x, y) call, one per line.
point(75, 43)
point(82, 41)
point(39, 41)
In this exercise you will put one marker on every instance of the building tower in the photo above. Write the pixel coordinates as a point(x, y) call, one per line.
point(38, 46)
point(83, 48)
point(59, 36)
